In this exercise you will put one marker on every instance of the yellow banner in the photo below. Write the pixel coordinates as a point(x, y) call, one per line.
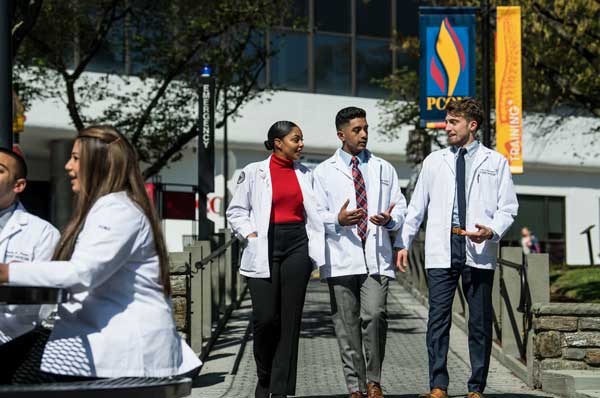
point(509, 112)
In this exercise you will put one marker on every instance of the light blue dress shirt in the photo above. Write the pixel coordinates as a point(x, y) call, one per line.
point(363, 164)
point(5, 215)
point(469, 158)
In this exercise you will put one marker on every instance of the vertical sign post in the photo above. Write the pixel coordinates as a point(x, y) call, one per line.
point(206, 151)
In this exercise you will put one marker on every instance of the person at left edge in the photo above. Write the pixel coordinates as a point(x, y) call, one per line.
point(273, 209)
point(113, 259)
point(23, 237)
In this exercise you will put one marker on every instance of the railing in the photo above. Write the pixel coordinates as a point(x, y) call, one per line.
point(519, 281)
point(213, 288)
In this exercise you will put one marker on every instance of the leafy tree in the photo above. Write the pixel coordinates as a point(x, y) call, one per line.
point(162, 43)
point(561, 66)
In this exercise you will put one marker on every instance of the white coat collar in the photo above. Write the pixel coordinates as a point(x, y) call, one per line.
point(15, 223)
point(337, 162)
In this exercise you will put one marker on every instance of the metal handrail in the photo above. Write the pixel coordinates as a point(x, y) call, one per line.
point(525, 298)
point(199, 265)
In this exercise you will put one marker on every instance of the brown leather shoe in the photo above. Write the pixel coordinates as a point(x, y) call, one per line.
point(474, 394)
point(374, 390)
point(435, 393)
point(355, 394)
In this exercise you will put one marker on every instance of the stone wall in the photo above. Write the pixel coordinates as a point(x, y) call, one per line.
point(565, 336)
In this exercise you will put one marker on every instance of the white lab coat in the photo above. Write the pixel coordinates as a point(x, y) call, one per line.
point(344, 253)
point(491, 201)
point(25, 237)
point(250, 211)
point(119, 322)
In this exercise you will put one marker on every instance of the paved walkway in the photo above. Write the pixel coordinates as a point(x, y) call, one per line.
point(230, 370)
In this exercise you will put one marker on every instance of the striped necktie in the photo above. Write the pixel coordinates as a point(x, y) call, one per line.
point(361, 197)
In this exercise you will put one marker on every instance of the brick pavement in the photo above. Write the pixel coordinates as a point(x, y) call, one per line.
point(319, 368)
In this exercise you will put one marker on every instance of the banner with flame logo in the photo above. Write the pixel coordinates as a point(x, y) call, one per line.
point(509, 112)
point(447, 62)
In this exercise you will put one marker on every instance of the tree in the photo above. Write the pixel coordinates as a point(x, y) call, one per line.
point(561, 66)
point(162, 43)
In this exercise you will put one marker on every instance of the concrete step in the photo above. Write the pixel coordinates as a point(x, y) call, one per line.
point(570, 383)
point(587, 394)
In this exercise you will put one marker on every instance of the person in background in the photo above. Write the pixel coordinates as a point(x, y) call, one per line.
point(274, 211)
point(23, 237)
point(360, 203)
point(113, 259)
point(529, 242)
point(468, 193)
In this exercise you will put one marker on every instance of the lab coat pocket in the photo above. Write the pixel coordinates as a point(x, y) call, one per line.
point(487, 186)
point(249, 255)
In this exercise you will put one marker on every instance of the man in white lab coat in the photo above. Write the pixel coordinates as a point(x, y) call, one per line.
point(360, 203)
point(23, 237)
point(468, 193)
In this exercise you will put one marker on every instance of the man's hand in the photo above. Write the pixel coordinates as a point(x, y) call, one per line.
point(483, 233)
point(402, 260)
point(252, 235)
point(349, 217)
point(384, 217)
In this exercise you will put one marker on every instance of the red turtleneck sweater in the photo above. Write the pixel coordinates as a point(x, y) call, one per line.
point(287, 205)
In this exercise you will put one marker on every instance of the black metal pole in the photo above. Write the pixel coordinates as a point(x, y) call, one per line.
point(225, 157)
point(485, 72)
point(6, 106)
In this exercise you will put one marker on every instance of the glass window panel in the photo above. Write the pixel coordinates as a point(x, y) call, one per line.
point(404, 59)
point(332, 65)
point(373, 61)
point(298, 14)
point(556, 217)
point(407, 17)
point(333, 15)
point(251, 57)
point(532, 214)
point(373, 18)
point(289, 67)
point(109, 57)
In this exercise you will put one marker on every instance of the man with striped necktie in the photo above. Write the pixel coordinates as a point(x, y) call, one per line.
point(360, 202)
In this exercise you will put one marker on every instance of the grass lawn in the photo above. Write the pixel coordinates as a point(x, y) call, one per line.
point(575, 284)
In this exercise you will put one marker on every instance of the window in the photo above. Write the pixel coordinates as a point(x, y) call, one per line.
point(545, 218)
point(407, 17)
point(298, 17)
point(373, 18)
point(333, 64)
point(373, 61)
point(289, 67)
point(333, 15)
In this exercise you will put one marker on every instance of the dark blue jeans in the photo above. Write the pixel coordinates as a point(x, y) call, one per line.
point(477, 288)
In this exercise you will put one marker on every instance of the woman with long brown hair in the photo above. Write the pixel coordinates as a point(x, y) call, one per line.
point(113, 259)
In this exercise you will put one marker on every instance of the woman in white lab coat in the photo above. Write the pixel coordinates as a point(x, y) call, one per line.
point(113, 259)
point(273, 209)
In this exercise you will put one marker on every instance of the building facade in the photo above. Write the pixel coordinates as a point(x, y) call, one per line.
point(330, 57)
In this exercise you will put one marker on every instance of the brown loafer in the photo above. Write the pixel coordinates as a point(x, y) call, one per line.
point(435, 393)
point(374, 390)
point(355, 394)
point(474, 394)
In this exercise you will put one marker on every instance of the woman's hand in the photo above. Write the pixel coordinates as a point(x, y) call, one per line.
point(3, 273)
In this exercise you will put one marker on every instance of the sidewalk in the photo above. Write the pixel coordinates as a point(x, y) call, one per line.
point(319, 367)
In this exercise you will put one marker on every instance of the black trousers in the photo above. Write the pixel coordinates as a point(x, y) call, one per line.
point(277, 304)
point(477, 288)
